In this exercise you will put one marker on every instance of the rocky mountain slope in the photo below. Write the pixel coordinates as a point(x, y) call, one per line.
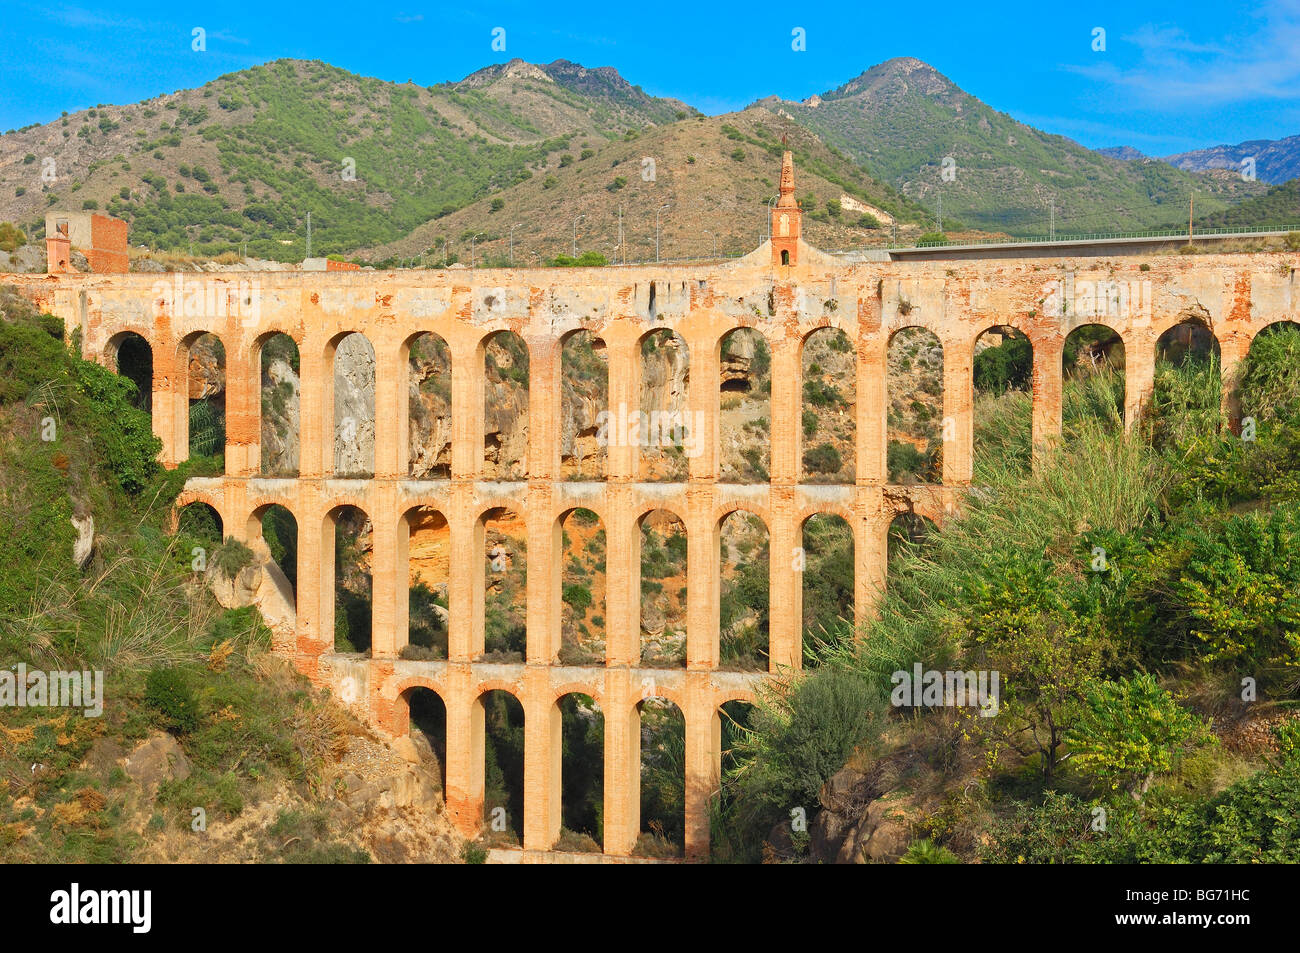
point(1276, 160)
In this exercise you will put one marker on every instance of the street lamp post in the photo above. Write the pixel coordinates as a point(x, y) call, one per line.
point(715, 242)
point(472, 240)
point(512, 242)
point(657, 211)
point(575, 234)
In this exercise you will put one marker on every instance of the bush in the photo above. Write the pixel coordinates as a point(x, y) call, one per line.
point(823, 458)
point(168, 693)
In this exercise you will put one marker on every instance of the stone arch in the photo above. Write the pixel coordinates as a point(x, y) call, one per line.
point(743, 546)
point(658, 735)
point(200, 396)
point(915, 394)
point(1189, 338)
point(424, 717)
point(1248, 409)
point(827, 592)
point(200, 521)
point(908, 531)
point(424, 425)
point(827, 428)
point(277, 357)
point(1002, 375)
point(578, 577)
point(346, 585)
point(501, 593)
point(424, 558)
point(131, 355)
point(578, 764)
point(584, 406)
point(744, 410)
point(665, 430)
point(498, 759)
point(662, 546)
point(1093, 369)
point(504, 359)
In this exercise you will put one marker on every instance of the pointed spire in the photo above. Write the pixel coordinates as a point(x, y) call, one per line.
point(787, 182)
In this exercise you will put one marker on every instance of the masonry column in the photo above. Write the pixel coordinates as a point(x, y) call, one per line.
point(958, 387)
point(784, 580)
point(543, 743)
point(465, 584)
point(622, 456)
point(702, 580)
point(544, 408)
point(1139, 374)
point(703, 745)
point(870, 556)
point(786, 375)
point(622, 816)
point(872, 423)
point(1233, 348)
point(464, 794)
point(467, 377)
point(1047, 376)
point(162, 400)
point(390, 395)
point(703, 402)
point(387, 580)
point(314, 636)
point(545, 548)
point(315, 433)
point(622, 578)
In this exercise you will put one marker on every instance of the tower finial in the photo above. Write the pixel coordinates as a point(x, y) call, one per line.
point(787, 182)
point(786, 225)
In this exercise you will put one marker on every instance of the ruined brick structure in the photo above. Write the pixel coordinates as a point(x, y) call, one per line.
point(1234, 296)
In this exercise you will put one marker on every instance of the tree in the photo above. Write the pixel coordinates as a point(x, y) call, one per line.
point(1130, 730)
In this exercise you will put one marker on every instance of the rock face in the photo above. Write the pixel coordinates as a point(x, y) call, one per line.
point(858, 823)
point(665, 375)
point(84, 545)
point(505, 423)
point(354, 407)
point(430, 409)
point(281, 400)
point(263, 584)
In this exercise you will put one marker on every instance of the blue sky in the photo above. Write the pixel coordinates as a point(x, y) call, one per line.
point(1171, 77)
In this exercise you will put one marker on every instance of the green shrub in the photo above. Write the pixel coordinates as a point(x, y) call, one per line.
point(168, 693)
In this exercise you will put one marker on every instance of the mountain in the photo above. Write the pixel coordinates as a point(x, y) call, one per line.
point(902, 118)
point(1276, 160)
point(717, 174)
point(247, 156)
point(1125, 153)
point(1280, 205)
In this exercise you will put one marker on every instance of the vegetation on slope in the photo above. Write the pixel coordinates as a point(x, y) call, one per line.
point(1137, 597)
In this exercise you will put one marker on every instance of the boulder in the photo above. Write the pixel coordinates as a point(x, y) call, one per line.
point(157, 759)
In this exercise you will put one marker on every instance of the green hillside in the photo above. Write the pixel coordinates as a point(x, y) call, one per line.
point(902, 118)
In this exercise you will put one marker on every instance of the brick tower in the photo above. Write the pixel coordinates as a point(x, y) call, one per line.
point(786, 218)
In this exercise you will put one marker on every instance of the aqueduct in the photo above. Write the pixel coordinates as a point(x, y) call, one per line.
point(785, 290)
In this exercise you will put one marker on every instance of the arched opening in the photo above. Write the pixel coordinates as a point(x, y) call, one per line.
point(1266, 384)
point(915, 388)
point(1187, 389)
point(429, 384)
point(204, 358)
point(829, 408)
point(278, 530)
point(1092, 367)
point(827, 592)
point(503, 768)
point(354, 407)
point(584, 406)
point(663, 590)
point(505, 598)
point(280, 424)
point(133, 359)
point(733, 729)
point(785, 256)
point(199, 525)
point(744, 561)
point(1003, 371)
point(661, 729)
point(582, 773)
point(582, 588)
point(505, 407)
point(346, 546)
point(665, 435)
point(908, 534)
point(272, 534)
point(745, 407)
point(427, 726)
point(428, 567)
